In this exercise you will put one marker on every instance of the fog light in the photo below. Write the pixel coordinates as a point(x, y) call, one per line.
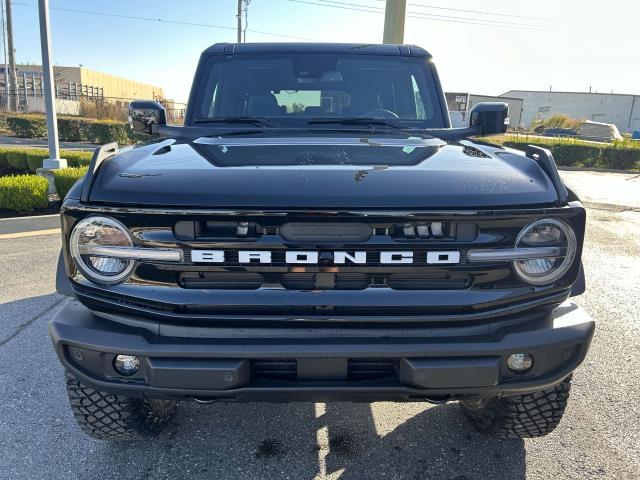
point(519, 362)
point(126, 365)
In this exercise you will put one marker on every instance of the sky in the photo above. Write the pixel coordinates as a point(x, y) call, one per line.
point(566, 45)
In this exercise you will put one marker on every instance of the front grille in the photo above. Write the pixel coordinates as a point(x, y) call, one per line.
point(328, 292)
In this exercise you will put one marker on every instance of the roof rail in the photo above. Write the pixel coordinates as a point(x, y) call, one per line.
point(544, 158)
point(99, 155)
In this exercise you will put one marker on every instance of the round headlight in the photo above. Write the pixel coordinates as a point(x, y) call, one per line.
point(101, 232)
point(549, 232)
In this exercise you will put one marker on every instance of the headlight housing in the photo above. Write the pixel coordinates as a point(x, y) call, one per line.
point(93, 232)
point(549, 232)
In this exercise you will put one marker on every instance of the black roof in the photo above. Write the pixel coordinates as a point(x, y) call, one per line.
point(361, 48)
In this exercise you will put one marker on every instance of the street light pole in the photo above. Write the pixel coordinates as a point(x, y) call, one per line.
point(239, 17)
point(6, 64)
point(13, 76)
point(54, 161)
point(394, 21)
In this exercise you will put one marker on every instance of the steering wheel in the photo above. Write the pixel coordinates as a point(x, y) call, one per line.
point(380, 113)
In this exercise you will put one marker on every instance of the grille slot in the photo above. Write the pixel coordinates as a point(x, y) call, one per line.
point(312, 281)
point(352, 281)
point(222, 280)
point(426, 281)
point(274, 369)
point(358, 368)
point(326, 232)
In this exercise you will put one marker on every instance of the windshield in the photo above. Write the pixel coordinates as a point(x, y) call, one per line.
point(300, 90)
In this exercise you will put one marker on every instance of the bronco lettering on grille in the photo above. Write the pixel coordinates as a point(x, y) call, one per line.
point(339, 257)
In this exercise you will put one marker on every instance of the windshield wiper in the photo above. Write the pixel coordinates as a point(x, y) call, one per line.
point(366, 121)
point(252, 120)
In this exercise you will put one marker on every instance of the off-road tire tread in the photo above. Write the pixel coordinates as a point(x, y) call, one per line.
point(106, 416)
point(522, 416)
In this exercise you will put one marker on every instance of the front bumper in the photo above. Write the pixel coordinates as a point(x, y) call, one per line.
point(317, 364)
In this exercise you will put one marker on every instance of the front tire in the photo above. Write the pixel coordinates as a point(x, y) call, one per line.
point(105, 416)
point(522, 416)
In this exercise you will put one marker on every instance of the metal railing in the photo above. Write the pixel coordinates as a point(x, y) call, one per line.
point(84, 101)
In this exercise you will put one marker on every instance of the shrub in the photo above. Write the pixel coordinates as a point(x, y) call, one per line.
point(619, 155)
point(34, 158)
point(103, 110)
point(558, 121)
point(28, 126)
point(3, 122)
point(4, 161)
point(18, 159)
point(66, 177)
point(94, 131)
point(106, 132)
point(76, 158)
point(72, 129)
point(30, 159)
point(23, 192)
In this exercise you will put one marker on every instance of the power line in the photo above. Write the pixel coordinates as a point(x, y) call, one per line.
point(425, 16)
point(433, 16)
point(422, 5)
point(160, 20)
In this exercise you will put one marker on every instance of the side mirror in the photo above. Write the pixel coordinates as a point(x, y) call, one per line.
point(144, 113)
point(490, 117)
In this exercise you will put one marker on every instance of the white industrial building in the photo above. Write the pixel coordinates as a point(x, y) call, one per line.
point(461, 103)
point(623, 110)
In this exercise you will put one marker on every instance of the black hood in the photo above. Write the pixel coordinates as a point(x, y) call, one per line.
point(172, 173)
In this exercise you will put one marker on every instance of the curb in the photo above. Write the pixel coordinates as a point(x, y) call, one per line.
point(610, 207)
point(599, 170)
point(29, 224)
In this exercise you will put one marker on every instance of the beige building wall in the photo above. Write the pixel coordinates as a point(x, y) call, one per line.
point(112, 86)
point(119, 87)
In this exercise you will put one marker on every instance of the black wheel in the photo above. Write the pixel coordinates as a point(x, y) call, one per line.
point(105, 416)
point(522, 416)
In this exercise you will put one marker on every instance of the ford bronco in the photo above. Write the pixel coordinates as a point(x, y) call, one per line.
point(317, 231)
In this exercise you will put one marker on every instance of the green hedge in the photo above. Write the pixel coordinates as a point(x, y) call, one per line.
point(30, 159)
point(93, 131)
point(17, 158)
point(76, 158)
point(23, 192)
point(34, 158)
point(27, 126)
point(66, 177)
point(71, 129)
point(619, 155)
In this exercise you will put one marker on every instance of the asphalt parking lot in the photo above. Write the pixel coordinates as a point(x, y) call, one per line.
point(598, 438)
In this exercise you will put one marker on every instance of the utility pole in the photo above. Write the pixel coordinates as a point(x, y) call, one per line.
point(54, 161)
point(239, 17)
point(246, 19)
point(6, 65)
point(394, 21)
point(13, 77)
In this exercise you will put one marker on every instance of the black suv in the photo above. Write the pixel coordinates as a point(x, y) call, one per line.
point(317, 231)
